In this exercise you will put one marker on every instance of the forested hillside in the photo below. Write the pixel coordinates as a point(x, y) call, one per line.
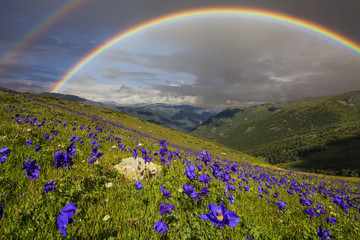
point(315, 134)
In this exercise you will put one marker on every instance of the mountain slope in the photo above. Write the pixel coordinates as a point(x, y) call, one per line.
point(291, 132)
point(181, 117)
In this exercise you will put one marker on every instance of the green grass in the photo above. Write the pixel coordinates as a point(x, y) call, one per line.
point(290, 134)
point(28, 214)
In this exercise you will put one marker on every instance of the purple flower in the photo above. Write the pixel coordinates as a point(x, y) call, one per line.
point(138, 185)
point(37, 148)
point(332, 220)
point(190, 172)
point(204, 191)
point(281, 205)
point(220, 217)
point(160, 227)
point(28, 143)
point(165, 192)
point(62, 159)
point(1, 211)
point(65, 217)
point(188, 189)
point(323, 234)
point(311, 213)
point(4, 154)
point(71, 150)
point(31, 170)
point(73, 137)
point(205, 178)
point(92, 160)
point(166, 208)
point(49, 187)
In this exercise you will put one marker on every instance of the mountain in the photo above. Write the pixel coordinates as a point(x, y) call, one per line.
point(314, 134)
point(181, 117)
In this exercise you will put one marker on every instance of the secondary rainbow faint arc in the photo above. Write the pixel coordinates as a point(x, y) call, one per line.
point(39, 28)
point(207, 11)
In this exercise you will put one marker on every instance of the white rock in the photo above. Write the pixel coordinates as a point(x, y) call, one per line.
point(129, 167)
point(107, 217)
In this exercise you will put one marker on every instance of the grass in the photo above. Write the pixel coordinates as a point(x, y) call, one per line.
point(31, 214)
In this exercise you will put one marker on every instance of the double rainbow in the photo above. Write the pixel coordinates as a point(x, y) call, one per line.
point(208, 11)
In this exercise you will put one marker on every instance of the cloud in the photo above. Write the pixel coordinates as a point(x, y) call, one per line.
point(241, 61)
point(84, 86)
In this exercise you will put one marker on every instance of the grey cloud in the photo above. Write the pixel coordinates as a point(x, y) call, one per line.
point(261, 62)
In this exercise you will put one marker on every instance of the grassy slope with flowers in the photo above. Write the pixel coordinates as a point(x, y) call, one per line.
point(29, 213)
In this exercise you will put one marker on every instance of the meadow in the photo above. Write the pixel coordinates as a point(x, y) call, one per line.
point(58, 181)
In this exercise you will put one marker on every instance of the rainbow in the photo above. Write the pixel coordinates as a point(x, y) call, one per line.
point(38, 29)
point(202, 12)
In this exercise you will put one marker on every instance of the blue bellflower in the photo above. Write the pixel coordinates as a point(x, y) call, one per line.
point(165, 192)
point(160, 227)
point(166, 208)
point(4, 154)
point(219, 216)
point(31, 170)
point(49, 187)
point(65, 217)
point(138, 185)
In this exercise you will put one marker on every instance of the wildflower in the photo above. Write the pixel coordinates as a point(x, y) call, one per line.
point(323, 234)
point(71, 150)
point(332, 220)
point(28, 143)
point(92, 160)
point(160, 227)
point(190, 171)
point(166, 208)
point(165, 192)
point(188, 189)
point(220, 217)
point(204, 191)
point(138, 185)
point(31, 170)
point(5, 153)
point(1, 211)
point(205, 178)
point(73, 137)
point(311, 213)
point(62, 159)
point(37, 148)
point(65, 217)
point(135, 153)
point(231, 198)
point(49, 187)
point(281, 205)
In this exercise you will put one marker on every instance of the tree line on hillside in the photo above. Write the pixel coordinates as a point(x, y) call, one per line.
point(298, 147)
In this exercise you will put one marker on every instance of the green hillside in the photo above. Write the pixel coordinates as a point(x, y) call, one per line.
point(58, 181)
point(299, 135)
point(176, 137)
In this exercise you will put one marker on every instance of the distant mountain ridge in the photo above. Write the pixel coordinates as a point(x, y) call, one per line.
point(181, 117)
point(319, 134)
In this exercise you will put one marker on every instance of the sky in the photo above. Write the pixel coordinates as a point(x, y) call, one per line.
point(211, 61)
